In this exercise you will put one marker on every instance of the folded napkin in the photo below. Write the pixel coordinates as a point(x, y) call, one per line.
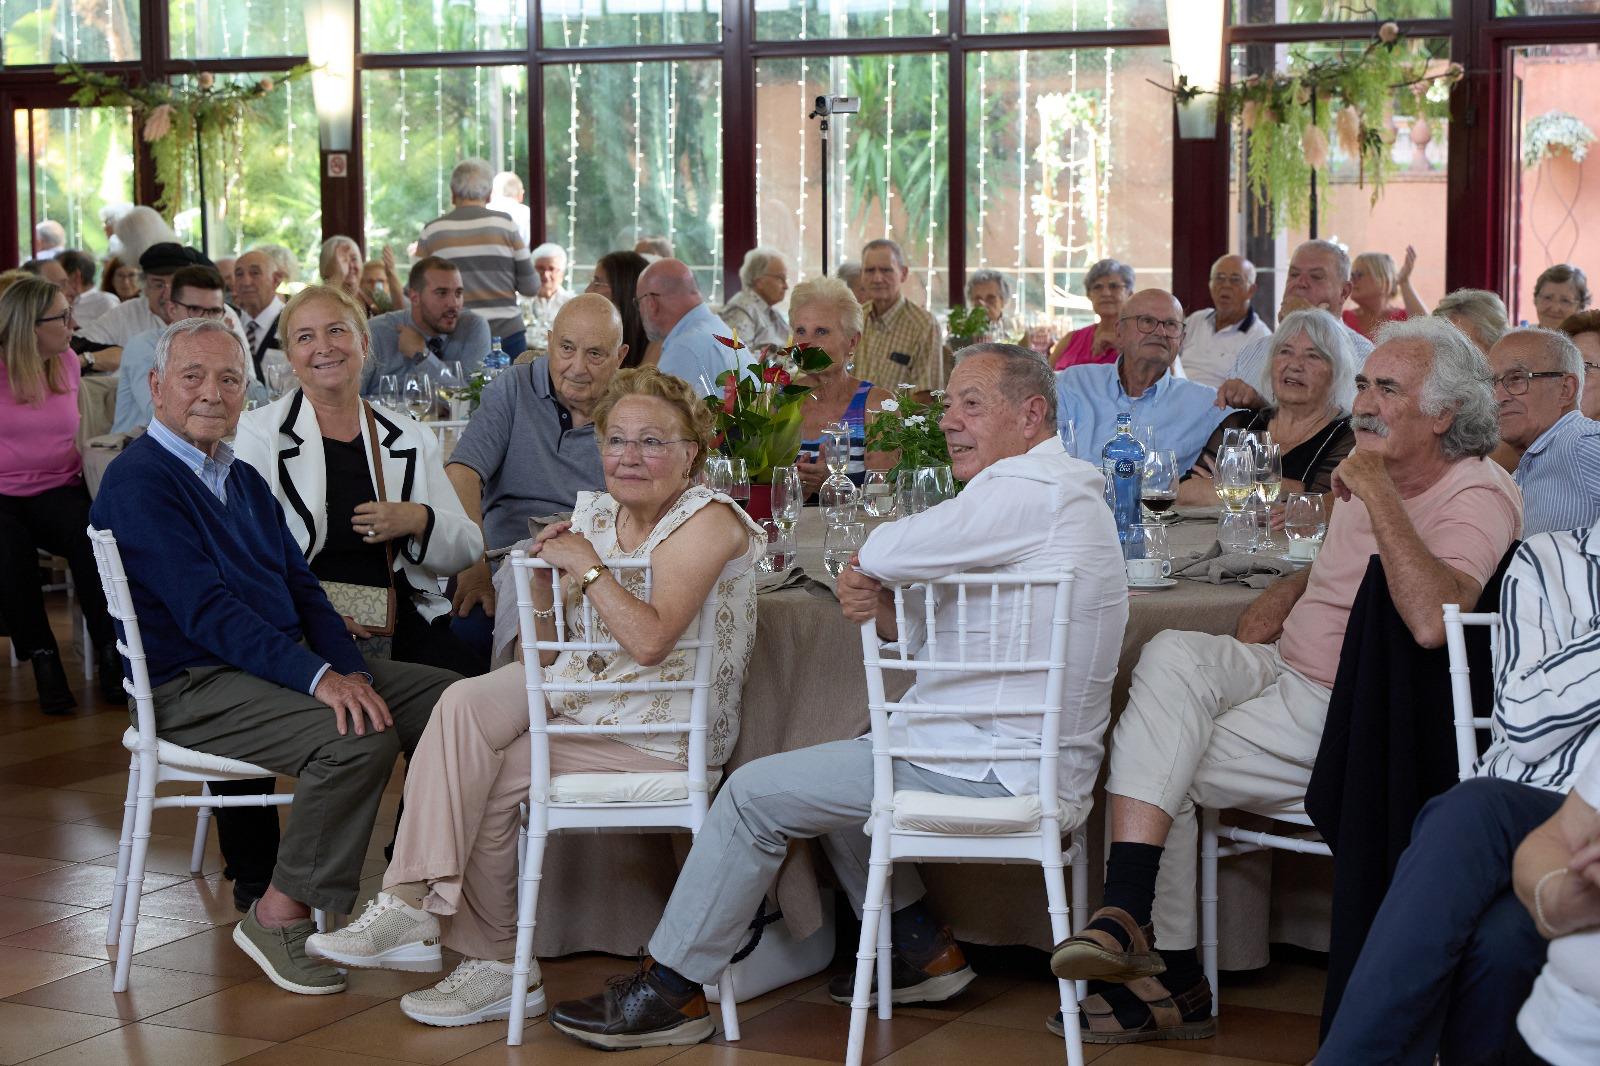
point(793, 578)
point(1213, 566)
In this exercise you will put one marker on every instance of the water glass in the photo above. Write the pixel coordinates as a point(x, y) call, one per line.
point(1159, 489)
point(840, 542)
point(738, 480)
point(935, 484)
point(877, 494)
point(452, 388)
point(1305, 521)
point(1236, 532)
point(839, 499)
point(787, 496)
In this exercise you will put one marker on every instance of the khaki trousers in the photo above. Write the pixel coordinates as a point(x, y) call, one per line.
point(466, 778)
point(1217, 723)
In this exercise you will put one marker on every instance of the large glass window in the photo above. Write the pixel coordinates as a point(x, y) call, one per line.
point(1069, 161)
point(418, 124)
point(888, 166)
point(71, 162)
point(41, 32)
point(809, 20)
point(597, 23)
point(1259, 11)
point(232, 29)
point(635, 150)
point(1037, 16)
point(408, 26)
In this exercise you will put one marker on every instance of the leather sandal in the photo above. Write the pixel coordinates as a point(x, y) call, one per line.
point(1095, 955)
point(1167, 1010)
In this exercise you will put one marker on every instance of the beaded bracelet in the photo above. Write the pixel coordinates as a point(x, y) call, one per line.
point(1538, 904)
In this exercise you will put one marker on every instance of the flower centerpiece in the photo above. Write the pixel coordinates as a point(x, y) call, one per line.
point(904, 425)
point(758, 416)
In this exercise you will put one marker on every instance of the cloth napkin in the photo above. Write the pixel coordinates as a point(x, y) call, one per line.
point(793, 578)
point(1216, 568)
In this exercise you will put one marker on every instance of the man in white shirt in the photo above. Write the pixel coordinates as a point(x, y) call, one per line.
point(88, 302)
point(550, 263)
point(256, 278)
point(1027, 507)
point(507, 199)
point(128, 319)
point(1213, 338)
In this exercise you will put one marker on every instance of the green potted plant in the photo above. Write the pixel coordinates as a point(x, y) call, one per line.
point(758, 416)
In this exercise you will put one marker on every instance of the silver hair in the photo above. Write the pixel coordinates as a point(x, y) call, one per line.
point(50, 234)
point(1107, 268)
point(1559, 347)
point(549, 250)
point(884, 242)
point(1458, 381)
point(986, 276)
point(1341, 257)
point(1331, 341)
point(193, 327)
point(1248, 269)
point(140, 228)
point(281, 258)
point(1484, 310)
point(472, 179)
point(1024, 373)
point(756, 262)
point(508, 185)
point(847, 271)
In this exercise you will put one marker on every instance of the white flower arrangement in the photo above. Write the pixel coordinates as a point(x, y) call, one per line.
point(1555, 131)
point(889, 405)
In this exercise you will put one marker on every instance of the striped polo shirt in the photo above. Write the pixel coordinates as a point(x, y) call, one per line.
point(494, 263)
point(1559, 476)
point(1546, 722)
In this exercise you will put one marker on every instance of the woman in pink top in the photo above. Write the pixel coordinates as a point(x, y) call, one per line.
point(1373, 283)
point(43, 502)
point(1108, 285)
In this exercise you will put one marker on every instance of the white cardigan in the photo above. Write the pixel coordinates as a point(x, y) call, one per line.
point(284, 443)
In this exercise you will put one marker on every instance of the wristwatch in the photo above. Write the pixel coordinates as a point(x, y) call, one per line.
point(590, 576)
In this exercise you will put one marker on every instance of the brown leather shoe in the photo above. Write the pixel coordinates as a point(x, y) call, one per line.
point(940, 974)
point(1095, 955)
point(1182, 1015)
point(635, 1011)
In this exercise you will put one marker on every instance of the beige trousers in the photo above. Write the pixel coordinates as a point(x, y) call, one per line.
point(465, 780)
point(1217, 723)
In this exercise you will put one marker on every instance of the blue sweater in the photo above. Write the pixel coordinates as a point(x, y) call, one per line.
point(217, 584)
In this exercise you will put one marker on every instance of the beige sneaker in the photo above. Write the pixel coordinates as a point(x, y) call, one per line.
point(477, 991)
point(390, 935)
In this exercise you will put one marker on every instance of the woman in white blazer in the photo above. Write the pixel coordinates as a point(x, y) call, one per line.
point(316, 449)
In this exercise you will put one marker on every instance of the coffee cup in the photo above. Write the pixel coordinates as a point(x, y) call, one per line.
point(1304, 550)
point(1148, 571)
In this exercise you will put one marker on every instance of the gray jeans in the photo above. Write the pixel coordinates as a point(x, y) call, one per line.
point(824, 791)
point(340, 779)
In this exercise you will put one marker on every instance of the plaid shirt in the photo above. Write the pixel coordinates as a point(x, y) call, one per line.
point(910, 332)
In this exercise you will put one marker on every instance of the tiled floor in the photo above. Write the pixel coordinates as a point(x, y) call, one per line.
point(196, 1001)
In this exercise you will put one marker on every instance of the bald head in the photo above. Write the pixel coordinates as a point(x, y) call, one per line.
point(666, 292)
point(1152, 348)
point(585, 351)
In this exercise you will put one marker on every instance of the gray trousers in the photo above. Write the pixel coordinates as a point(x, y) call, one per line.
point(823, 791)
point(340, 779)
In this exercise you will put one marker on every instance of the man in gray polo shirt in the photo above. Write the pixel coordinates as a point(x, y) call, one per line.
point(435, 331)
point(530, 447)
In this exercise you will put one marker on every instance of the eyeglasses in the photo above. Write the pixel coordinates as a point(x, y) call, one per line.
point(63, 317)
point(643, 296)
point(1170, 327)
point(649, 447)
point(201, 312)
point(1515, 382)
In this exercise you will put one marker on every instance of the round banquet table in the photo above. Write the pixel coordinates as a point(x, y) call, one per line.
point(805, 686)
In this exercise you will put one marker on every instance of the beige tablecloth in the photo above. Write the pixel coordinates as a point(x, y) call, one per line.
point(805, 686)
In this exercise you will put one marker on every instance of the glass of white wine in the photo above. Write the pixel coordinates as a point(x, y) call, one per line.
point(416, 393)
point(1269, 481)
point(840, 542)
point(1236, 476)
point(787, 496)
point(452, 389)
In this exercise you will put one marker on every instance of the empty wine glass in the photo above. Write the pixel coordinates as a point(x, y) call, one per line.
point(416, 392)
point(280, 379)
point(839, 498)
point(836, 447)
point(877, 494)
point(840, 542)
point(935, 484)
point(389, 391)
point(719, 474)
point(1305, 521)
point(1159, 489)
point(787, 496)
point(1236, 476)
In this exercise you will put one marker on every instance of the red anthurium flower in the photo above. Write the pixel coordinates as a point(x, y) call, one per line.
point(775, 373)
point(731, 342)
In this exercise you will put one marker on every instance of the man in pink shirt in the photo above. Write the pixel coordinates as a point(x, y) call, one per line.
point(1219, 721)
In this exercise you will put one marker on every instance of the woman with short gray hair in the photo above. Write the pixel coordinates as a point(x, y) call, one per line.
point(1108, 284)
point(753, 312)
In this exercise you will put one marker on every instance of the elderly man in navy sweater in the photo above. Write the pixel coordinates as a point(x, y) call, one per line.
point(247, 658)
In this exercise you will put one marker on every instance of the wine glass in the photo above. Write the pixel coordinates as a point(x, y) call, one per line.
point(839, 498)
point(280, 379)
point(1236, 532)
point(840, 542)
point(416, 393)
point(1269, 481)
point(452, 389)
point(787, 496)
point(1305, 521)
point(719, 474)
point(781, 553)
point(877, 494)
point(738, 480)
point(836, 447)
point(935, 485)
point(1069, 436)
point(389, 391)
point(1236, 476)
point(1159, 489)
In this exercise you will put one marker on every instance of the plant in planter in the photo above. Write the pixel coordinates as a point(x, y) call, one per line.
point(1553, 133)
point(911, 428)
point(758, 417)
point(968, 325)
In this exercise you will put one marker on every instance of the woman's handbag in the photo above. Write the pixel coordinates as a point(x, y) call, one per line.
point(372, 607)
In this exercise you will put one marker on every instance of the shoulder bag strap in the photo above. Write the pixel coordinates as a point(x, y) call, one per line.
point(377, 474)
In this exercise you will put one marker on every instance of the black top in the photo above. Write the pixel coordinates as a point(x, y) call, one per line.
point(1312, 461)
point(346, 555)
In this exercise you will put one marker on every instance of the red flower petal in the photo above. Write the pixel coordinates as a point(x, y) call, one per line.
point(728, 342)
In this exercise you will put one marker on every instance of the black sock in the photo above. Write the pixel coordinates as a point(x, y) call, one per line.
point(914, 930)
point(1130, 884)
point(1183, 969)
point(671, 981)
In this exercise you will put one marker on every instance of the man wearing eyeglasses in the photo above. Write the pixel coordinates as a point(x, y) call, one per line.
point(1538, 386)
point(193, 292)
point(1182, 415)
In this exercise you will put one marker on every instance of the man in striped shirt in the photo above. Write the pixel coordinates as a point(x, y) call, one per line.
point(489, 251)
point(1538, 383)
point(1452, 953)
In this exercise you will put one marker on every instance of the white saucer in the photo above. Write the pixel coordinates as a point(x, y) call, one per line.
point(1164, 583)
point(1295, 560)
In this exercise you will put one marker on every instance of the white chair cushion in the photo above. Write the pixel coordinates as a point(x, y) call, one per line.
point(934, 812)
point(625, 788)
point(197, 762)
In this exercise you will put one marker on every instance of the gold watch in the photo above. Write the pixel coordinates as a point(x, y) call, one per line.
point(590, 576)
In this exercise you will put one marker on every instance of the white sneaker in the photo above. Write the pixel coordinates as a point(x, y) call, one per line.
point(476, 991)
point(390, 935)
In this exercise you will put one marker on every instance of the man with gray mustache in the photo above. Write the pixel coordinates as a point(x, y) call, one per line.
point(1221, 721)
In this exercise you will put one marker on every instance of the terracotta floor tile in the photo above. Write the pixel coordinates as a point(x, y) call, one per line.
point(26, 1032)
point(60, 805)
point(211, 952)
point(961, 1043)
point(114, 782)
point(392, 984)
point(544, 1046)
point(85, 934)
point(150, 991)
point(15, 827)
point(262, 1011)
point(55, 771)
point(152, 1044)
point(1169, 1055)
point(1285, 986)
point(733, 1055)
point(19, 914)
point(206, 900)
point(401, 1038)
point(1261, 1035)
point(16, 867)
point(301, 1055)
point(981, 991)
point(65, 840)
point(169, 854)
point(82, 885)
point(166, 821)
point(21, 969)
point(1025, 1006)
point(811, 1030)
